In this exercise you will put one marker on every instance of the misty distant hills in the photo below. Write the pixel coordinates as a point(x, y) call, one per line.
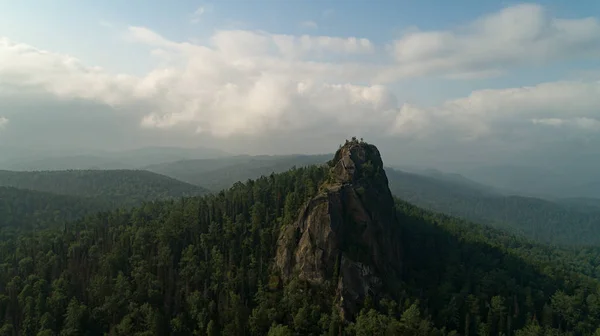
point(218, 174)
point(21, 160)
point(551, 182)
point(567, 221)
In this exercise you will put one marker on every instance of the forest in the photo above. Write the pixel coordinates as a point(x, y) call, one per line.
point(121, 188)
point(558, 222)
point(203, 265)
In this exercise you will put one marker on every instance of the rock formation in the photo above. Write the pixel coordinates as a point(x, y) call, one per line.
point(345, 233)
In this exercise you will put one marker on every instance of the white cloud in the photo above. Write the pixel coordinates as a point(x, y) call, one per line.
point(243, 83)
point(254, 83)
point(197, 15)
point(487, 113)
point(309, 24)
point(584, 123)
point(23, 67)
point(305, 44)
point(520, 35)
point(3, 122)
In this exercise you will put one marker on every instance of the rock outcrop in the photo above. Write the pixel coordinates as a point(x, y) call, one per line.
point(346, 233)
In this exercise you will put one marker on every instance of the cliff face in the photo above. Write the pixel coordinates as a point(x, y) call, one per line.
point(346, 233)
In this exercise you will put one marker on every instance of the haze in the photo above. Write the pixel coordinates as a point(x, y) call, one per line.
point(502, 93)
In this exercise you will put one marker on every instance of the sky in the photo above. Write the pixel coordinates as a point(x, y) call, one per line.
point(427, 81)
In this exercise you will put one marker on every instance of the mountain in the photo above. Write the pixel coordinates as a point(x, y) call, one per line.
point(452, 178)
point(92, 159)
point(539, 182)
point(218, 174)
point(122, 187)
point(548, 221)
point(583, 204)
point(321, 250)
point(347, 232)
point(566, 222)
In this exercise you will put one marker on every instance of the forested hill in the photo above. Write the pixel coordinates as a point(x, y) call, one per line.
point(572, 222)
point(207, 266)
point(122, 187)
point(22, 210)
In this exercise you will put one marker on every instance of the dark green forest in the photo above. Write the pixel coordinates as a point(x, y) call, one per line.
point(22, 210)
point(118, 187)
point(204, 266)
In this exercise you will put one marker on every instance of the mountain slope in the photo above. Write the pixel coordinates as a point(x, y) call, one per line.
point(27, 209)
point(559, 181)
point(128, 159)
point(539, 219)
point(218, 174)
point(122, 187)
point(209, 266)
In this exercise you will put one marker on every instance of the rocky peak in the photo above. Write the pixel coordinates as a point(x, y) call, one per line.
point(356, 161)
point(346, 233)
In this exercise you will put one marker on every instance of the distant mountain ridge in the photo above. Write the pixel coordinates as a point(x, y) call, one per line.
point(539, 182)
point(123, 187)
point(568, 222)
point(218, 174)
point(127, 159)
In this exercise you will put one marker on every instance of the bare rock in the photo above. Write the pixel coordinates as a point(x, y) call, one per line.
point(347, 231)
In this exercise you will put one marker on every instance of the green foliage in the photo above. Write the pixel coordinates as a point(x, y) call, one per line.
point(183, 266)
point(476, 278)
point(120, 188)
point(26, 209)
point(280, 330)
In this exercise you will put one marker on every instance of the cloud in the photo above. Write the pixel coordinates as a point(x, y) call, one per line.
point(3, 122)
point(24, 68)
point(583, 123)
point(309, 24)
point(516, 36)
point(242, 82)
point(504, 112)
point(197, 15)
point(258, 84)
point(254, 82)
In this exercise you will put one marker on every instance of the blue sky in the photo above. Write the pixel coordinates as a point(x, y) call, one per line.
point(463, 76)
